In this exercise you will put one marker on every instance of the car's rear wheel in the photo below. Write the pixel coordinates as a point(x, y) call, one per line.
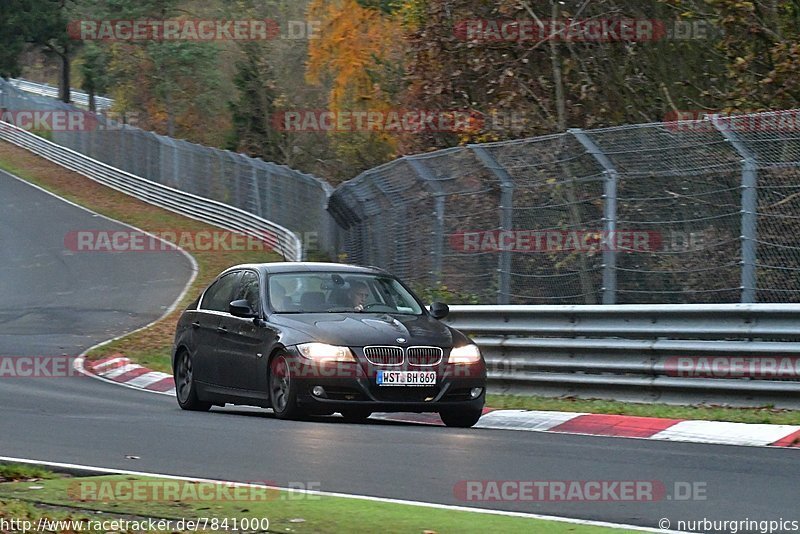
point(460, 418)
point(185, 388)
point(283, 389)
point(356, 415)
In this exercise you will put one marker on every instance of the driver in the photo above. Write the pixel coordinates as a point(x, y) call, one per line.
point(358, 295)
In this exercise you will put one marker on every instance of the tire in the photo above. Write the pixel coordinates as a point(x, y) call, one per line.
point(185, 388)
point(461, 418)
point(283, 389)
point(356, 415)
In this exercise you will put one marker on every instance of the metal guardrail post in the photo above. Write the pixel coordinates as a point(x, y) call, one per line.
point(506, 217)
point(749, 209)
point(425, 175)
point(609, 213)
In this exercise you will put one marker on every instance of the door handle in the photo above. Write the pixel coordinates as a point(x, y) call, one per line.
point(222, 330)
point(196, 324)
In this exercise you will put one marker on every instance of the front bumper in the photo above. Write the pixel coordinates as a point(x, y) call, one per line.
point(353, 385)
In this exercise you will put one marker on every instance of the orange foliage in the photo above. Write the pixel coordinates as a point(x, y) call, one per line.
point(353, 40)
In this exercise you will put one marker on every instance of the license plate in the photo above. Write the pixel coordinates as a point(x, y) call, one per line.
point(406, 378)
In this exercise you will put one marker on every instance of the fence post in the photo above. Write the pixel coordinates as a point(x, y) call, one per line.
point(425, 175)
point(748, 210)
point(176, 165)
point(506, 217)
point(609, 214)
point(254, 184)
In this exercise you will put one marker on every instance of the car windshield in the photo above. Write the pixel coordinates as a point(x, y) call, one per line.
point(322, 292)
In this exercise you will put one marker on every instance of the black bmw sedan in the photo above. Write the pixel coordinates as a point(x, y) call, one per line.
point(319, 338)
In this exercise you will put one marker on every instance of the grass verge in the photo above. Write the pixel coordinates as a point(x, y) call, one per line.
point(79, 498)
point(15, 473)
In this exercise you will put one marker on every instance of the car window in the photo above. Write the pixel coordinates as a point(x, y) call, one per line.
point(322, 292)
point(249, 289)
point(218, 297)
point(395, 295)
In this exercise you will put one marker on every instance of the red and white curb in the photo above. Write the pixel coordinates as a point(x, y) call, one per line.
point(120, 370)
point(626, 426)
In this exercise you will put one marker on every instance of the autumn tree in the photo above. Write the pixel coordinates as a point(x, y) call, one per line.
point(173, 86)
point(12, 42)
point(761, 45)
point(358, 58)
point(253, 112)
point(536, 86)
point(94, 72)
point(41, 24)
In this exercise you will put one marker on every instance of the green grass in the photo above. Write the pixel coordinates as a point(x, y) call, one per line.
point(23, 472)
point(767, 414)
point(11, 510)
point(287, 512)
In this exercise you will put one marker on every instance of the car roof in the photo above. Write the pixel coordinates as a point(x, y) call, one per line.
point(306, 266)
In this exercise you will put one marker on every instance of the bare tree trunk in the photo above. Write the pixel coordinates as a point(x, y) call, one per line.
point(587, 288)
point(558, 81)
point(64, 86)
point(170, 114)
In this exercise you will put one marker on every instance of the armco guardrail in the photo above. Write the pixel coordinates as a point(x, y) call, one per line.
point(195, 207)
point(287, 197)
point(737, 354)
point(42, 89)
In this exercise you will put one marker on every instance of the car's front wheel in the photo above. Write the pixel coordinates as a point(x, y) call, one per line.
point(460, 418)
point(283, 389)
point(185, 388)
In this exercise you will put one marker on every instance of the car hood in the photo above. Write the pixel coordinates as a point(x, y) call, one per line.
point(362, 329)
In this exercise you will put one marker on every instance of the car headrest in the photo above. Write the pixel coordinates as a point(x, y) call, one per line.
point(314, 300)
point(338, 297)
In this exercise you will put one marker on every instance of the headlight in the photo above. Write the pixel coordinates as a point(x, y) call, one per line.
point(465, 354)
point(323, 352)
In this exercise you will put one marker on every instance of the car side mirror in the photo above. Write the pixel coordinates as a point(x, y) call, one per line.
point(439, 310)
point(241, 308)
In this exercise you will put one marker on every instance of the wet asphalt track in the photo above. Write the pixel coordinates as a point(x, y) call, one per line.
point(55, 302)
